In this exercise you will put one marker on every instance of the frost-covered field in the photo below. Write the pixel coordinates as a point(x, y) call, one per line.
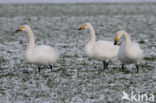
point(75, 79)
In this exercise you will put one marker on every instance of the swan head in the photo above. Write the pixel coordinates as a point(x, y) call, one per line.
point(85, 26)
point(23, 28)
point(119, 34)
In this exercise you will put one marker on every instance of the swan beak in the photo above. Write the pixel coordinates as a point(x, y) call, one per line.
point(19, 29)
point(82, 27)
point(116, 40)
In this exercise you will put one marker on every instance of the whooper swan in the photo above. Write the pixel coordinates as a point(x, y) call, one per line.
point(39, 55)
point(100, 50)
point(129, 52)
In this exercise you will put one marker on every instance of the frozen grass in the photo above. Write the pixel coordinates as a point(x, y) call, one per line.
point(75, 79)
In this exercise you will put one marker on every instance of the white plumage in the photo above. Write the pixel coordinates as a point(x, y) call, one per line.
point(40, 58)
point(129, 52)
point(39, 55)
point(100, 50)
point(105, 50)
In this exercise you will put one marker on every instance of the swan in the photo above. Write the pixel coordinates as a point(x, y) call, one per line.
point(129, 52)
point(39, 55)
point(101, 50)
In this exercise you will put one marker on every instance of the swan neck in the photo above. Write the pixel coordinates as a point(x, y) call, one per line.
point(92, 34)
point(31, 41)
point(127, 38)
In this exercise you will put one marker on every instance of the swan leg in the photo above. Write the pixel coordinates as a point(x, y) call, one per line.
point(123, 66)
point(51, 67)
point(104, 64)
point(137, 67)
point(39, 68)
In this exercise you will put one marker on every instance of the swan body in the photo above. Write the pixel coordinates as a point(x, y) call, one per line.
point(39, 55)
point(129, 52)
point(105, 50)
point(100, 50)
point(40, 58)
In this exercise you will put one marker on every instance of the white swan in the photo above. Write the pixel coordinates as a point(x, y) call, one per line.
point(129, 52)
point(39, 55)
point(100, 50)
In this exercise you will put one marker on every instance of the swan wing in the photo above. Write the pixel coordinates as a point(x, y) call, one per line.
point(131, 53)
point(135, 52)
point(45, 54)
point(105, 50)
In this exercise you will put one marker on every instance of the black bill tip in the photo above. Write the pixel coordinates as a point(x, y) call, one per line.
point(16, 31)
point(115, 42)
point(79, 29)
